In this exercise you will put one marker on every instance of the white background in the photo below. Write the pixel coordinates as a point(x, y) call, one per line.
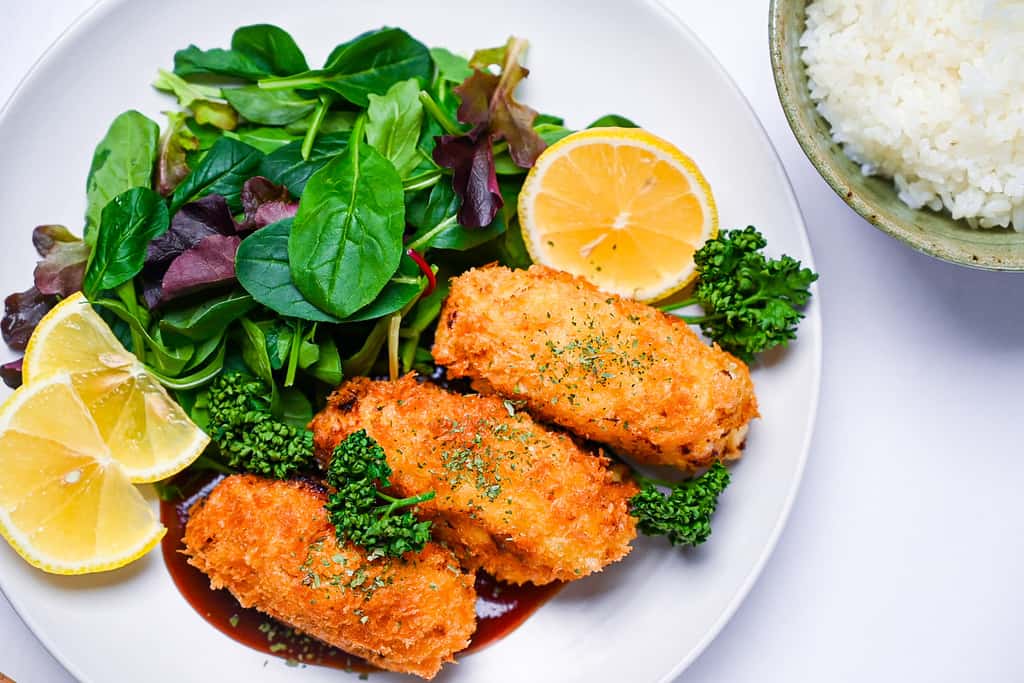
point(902, 558)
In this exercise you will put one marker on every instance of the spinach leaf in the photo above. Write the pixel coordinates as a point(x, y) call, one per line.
point(207, 320)
point(613, 121)
point(223, 170)
point(266, 140)
point(253, 343)
point(450, 67)
point(427, 208)
point(262, 268)
point(346, 240)
point(269, 107)
point(123, 159)
point(192, 61)
point(327, 367)
point(270, 46)
point(127, 224)
point(368, 64)
point(205, 350)
point(400, 291)
point(332, 122)
point(296, 410)
point(393, 124)
point(286, 166)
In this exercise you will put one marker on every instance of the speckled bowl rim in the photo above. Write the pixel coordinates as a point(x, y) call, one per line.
point(874, 213)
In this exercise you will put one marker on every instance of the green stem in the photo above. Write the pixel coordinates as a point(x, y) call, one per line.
point(286, 82)
point(394, 327)
point(314, 125)
point(422, 181)
point(293, 355)
point(126, 293)
point(434, 109)
point(433, 232)
point(677, 304)
point(197, 379)
point(404, 502)
point(500, 147)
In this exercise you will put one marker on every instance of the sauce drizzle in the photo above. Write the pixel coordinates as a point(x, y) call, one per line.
point(500, 607)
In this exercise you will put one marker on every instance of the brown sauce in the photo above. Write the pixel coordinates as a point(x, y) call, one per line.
point(500, 607)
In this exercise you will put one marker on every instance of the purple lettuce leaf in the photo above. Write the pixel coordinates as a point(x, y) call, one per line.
point(475, 181)
point(194, 222)
point(22, 312)
point(63, 260)
point(209, 264)
point(265, 203)
point(10, 373)
point(190, 225)
point(489, 103)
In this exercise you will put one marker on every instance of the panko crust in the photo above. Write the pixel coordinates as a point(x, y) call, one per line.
point(606, 368)
point(271, 545)
point(523, 502)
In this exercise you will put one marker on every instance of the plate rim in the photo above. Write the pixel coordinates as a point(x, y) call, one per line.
point(813, 319)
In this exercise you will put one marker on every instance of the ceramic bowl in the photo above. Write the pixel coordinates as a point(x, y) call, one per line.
point(874, 198)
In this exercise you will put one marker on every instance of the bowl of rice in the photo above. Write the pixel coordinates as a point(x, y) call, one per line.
point(913, 111)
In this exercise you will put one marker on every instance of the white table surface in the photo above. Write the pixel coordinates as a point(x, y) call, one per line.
point(903, 555)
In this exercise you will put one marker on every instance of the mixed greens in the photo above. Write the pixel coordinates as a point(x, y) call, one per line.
point(292, 226)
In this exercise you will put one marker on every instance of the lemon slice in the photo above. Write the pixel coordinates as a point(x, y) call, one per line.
point(65, 503)
point(620, 207)
point(146, 431)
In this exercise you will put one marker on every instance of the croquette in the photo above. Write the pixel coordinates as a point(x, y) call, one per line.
point(608, 369)
point(270, 543)
point(517, 499)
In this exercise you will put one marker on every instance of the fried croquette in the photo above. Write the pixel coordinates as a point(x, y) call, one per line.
point(271, 545)
point(514, 498)
point(606, 368)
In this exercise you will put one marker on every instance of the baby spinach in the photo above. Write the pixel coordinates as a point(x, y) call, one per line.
point(450, 67)
point(123, 159)
point(269, 107)
point(253, 342)
point(285, 166)
point(207, 320)
point(262, 268)
point(266, 139)
point(327, 367)
point(271, 47)
point(613, 121)
point(127, 224)
point(393, 124)
point(400, 291)
point(368, 64)
point(192, 61)
point(346, 240)
point(223, 170)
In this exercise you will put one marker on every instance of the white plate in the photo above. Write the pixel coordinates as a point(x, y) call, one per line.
point(643, 619)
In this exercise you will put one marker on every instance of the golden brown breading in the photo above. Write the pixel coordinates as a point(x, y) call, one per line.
point(523, 502)
point(271, 545)
point(609, 369)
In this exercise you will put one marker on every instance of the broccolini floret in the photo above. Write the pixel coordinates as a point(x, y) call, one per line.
point(683, 515)
point(750, 303)
point(249, 437)
point(361, 513)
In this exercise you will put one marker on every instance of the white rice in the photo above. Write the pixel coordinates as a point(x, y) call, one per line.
point(929, 93)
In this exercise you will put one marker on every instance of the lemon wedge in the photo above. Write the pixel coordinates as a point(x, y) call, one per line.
point(621, 207)
point(144, 429)
point(66, 505)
